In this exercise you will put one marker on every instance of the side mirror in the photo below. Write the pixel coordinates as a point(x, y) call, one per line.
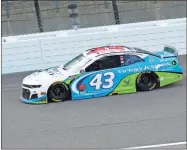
point(82, 71)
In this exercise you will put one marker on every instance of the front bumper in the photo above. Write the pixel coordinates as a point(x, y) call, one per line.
point(33, 95)
point(40, 100)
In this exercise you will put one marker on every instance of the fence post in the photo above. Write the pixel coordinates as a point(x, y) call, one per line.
point(37, 9)
point(6, 8)
point(57, 4)
point(116, 13)
point(73, 15)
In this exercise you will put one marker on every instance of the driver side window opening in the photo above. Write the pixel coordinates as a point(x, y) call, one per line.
point(106, 62)
point(131, 59)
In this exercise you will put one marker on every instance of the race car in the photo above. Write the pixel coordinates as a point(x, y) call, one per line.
point(103, 71)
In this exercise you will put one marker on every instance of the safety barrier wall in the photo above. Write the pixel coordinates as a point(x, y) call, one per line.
point(39, 51)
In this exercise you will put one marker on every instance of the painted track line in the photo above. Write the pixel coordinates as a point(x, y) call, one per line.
point(154, 146)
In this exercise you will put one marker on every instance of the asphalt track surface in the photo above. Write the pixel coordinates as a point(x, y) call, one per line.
point(138, 119)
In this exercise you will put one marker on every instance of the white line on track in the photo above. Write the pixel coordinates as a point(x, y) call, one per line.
point(155, 146)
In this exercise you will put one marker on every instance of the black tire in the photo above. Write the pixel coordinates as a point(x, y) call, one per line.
point(58, 92)
point(147, 81)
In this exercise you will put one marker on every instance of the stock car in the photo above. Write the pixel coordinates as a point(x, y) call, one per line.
point(103, 71)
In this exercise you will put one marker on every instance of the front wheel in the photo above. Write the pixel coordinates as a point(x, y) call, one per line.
point(147, 81)
point(58, 92)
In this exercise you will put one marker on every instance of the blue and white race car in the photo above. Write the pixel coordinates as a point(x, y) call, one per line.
point(103, 71)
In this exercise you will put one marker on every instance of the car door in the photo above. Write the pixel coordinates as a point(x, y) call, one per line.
point(133, 62)
point(99, 79)
point(128, 73)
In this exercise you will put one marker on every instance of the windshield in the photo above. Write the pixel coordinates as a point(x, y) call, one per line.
point(76, 62)
point(145, 52)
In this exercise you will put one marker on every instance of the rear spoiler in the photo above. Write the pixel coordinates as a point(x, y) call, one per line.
point(170, 49)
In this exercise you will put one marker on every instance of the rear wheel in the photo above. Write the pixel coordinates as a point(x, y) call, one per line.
point(147, 81)
point(58, 92)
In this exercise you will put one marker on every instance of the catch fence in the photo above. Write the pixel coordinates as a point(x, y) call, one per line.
point(26, 17)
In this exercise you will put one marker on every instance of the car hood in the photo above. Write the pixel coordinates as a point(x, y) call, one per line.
point(46, 76)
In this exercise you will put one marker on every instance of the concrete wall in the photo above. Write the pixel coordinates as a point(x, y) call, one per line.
point(37, 51)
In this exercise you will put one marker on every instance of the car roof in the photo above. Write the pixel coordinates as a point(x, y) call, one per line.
point(118, 49)
point(106, 50)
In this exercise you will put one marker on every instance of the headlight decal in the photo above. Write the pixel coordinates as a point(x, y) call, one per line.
point(32, 86)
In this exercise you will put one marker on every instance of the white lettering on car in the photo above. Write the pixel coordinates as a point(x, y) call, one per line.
point(145, 68)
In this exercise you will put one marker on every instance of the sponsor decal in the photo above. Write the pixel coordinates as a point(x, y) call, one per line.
point(122, 64)
point(174, 63)
point(162, 65)
point(52, 70)
point(74, 84)
point(127, 81)
point(151, 59)
point(161, 78)
point(133, 53)
point(81, 87)
point(153, 86)
point(66, 87)
point(82, 92)
point(130, 53)
point(145, 68)
point(108, 49)
point(121, 58)
point(43, 99)
point(56, 100)
point(130, 70)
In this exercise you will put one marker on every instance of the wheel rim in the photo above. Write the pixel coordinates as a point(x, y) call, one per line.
point(58, 92)
point(146, 80)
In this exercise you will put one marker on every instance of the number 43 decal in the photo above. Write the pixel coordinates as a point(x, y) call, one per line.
point(97, 81)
